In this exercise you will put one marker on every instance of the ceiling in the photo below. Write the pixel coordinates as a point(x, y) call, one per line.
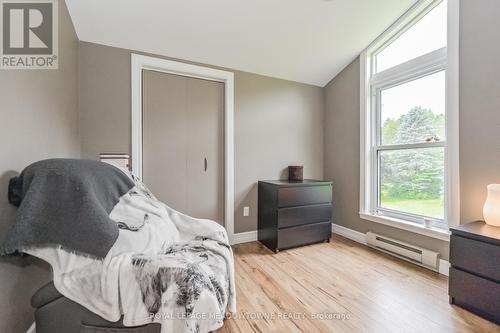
point(308, 41)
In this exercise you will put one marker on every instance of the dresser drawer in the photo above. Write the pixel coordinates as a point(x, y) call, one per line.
point(294, 216)
point(304, 195)
point(305, 234)
point(474, 293)
point(475, 256)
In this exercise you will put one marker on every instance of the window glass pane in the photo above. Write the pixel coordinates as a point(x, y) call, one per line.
point(427, 35)
point(412, 181)
point(414, 112)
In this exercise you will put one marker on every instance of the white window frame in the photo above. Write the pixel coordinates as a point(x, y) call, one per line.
point(372, 83)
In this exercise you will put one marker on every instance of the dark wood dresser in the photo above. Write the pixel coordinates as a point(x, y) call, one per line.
point(294, 213)
point(475, 269)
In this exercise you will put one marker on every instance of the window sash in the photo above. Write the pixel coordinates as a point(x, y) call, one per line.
point(424, 65)
point(414, 69)
point(411, 146)
point(416, 218)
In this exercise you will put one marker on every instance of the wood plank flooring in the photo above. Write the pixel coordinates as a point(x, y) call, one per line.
point(341, 286)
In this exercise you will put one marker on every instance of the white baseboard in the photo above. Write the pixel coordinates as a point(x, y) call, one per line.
point(349, 233)
point(444, 267)
point(360, 237)
point(244, 237)
point(32, 329)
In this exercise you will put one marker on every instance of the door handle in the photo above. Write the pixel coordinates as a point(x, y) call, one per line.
point(206, 164)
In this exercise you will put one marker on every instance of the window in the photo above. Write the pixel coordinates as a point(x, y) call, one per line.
point(409, 144)
point(426, 35)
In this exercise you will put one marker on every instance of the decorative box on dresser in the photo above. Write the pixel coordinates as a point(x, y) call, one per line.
point(474, 281)
point(294, 213)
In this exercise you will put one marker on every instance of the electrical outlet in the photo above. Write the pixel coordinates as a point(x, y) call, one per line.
point(246, 211)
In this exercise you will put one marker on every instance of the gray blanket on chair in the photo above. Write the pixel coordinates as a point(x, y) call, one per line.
point(66, 202)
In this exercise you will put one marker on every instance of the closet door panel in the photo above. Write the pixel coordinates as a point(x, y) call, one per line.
point(205, 165)
point(183, 143)
point(165, 131)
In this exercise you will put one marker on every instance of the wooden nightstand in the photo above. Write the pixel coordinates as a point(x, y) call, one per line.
point(474, 281)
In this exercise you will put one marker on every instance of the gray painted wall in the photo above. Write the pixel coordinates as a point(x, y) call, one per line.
point(277, 122)
point(479, 103)
point(39, 120)
point(479, 126)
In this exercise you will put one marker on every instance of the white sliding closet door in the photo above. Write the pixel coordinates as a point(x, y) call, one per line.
point(183, 143)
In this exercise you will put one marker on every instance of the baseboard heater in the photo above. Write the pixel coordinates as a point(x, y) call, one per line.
point(417, 255)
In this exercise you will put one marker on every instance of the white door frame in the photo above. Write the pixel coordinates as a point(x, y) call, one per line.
point(140, 63)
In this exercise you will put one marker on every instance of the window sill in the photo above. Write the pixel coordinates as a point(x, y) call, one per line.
point(437, 233)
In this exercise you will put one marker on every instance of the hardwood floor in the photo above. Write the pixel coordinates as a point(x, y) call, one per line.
point(354, 288)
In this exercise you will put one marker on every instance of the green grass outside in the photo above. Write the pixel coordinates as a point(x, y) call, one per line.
point(431, 207)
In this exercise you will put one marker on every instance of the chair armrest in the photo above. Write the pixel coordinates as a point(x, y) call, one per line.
point(45, 295)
